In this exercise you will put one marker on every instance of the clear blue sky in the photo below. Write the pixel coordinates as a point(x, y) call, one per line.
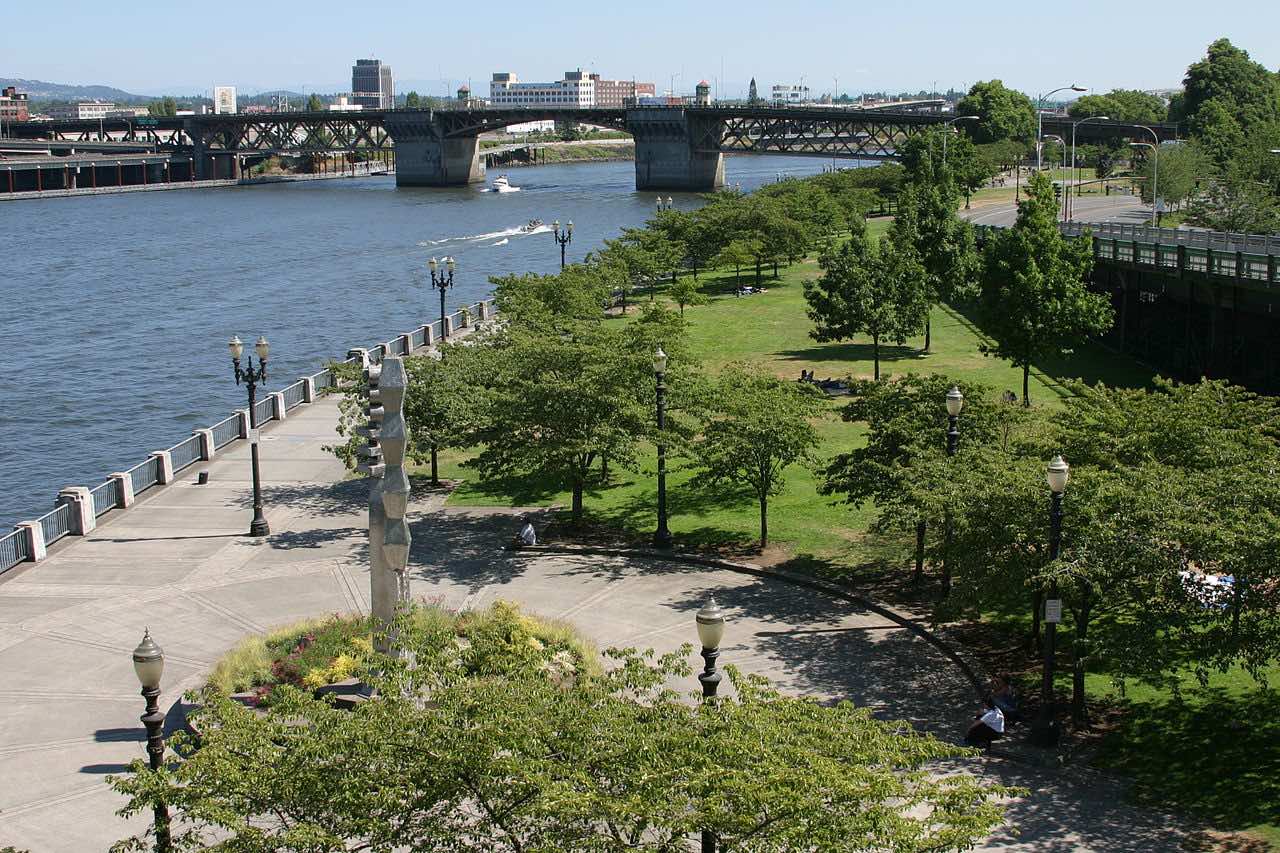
point(149, 46)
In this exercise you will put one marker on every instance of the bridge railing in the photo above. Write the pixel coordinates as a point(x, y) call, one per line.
point(1267, 244)
point(27, 541)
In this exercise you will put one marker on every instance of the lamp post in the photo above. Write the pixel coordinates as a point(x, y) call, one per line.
point(710, 621)
point(1074, 167)
point(251, 377)
point(662, 538)
point(945, 131)
point(955, 402)
point(148, 664)
point(442, 280)
point(1063, 143)
point(564, 238)
point(1044, 731)
point(1155, 168)
point(1040, 116)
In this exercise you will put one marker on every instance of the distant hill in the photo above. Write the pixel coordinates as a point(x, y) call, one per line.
point(40, 90)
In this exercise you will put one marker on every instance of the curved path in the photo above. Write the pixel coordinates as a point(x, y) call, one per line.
point(178, 562)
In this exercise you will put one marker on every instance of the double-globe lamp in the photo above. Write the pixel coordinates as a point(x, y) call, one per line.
point(251, 377)
point(564, 238)
point(442, 280)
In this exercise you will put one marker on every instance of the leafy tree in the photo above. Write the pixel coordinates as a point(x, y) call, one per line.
point(927, 225)
point(1035, 300)
point(686, 292)
point(1004, 113)
point(1128, 105)
point(738, 254)
point(314, 104)
point(165, 106)
point(510, 744)
point(577, 292)
point(1181, 169)
point(1246, 90)
point(1237, 201)
point(906, 422)
point(757, 426)
point(412, 100)
point(865, 291)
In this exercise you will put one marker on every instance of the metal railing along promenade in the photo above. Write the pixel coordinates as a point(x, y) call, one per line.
point(1220, 254)
point(20, 544)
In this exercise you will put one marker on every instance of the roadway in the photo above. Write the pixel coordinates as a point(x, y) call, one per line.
point(1124, 209)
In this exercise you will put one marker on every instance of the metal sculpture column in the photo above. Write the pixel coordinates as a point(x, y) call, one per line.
point(394, 439)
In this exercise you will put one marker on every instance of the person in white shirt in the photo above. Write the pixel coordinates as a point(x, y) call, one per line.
point(526, 536)
point(988, 727)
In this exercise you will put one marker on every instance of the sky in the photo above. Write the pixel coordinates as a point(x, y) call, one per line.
point(151, 47)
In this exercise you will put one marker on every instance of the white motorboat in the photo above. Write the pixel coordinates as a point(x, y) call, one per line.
point(502, 185)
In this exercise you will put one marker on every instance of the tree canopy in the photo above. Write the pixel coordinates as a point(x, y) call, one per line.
point(1128, 105)
point(1003, 113)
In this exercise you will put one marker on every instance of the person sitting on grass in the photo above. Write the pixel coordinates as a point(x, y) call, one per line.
point(989, 726)
point(526, 537)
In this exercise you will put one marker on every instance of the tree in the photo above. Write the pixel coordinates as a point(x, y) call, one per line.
point(906, 422)
point(865, 291)
point(686, 292)
point(1182, 167)
point(314, 104)
point(578, 292)
point(757, 426)
point(1246, 90)
point(166, 106)
point(1236, 199)
point(1128, 105)
point(510, 744)
point(1035, 300)
point(1003, 113)
point(738, 254)
point(413, 100)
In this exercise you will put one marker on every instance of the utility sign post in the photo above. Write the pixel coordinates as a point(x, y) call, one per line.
point(1053, 610)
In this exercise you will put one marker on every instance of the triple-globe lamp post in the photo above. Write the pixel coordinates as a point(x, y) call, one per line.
point(662, 538)
point(564, 238)
point(251, 377)
point(442, 280)
point(710, 621)
point(148, 665)
point(1044, 730)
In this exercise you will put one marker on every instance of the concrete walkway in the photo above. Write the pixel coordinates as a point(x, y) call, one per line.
point(179, 563)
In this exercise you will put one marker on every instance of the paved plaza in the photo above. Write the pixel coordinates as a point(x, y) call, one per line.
point(179, 563)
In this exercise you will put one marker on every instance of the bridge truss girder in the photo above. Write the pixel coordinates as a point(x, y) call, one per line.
point(837, 136)
point(305, 134)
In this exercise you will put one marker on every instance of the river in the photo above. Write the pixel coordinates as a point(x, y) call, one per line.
point(118, 307)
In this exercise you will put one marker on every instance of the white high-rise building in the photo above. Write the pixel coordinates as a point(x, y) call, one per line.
point(224, 100)
point(790, 96)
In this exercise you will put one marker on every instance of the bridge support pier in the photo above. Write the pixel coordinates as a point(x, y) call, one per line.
point(676, 151)
point(425, 157)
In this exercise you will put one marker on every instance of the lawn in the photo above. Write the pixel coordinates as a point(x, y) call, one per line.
point(1177, 751)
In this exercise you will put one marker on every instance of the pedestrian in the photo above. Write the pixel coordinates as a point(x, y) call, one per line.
point(988, 726)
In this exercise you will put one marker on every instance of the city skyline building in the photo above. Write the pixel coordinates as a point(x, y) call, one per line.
point(82, 110)
point(372, 85)
point(576, 89)
point(785, 95)
point(224, 100)
point(13, 105)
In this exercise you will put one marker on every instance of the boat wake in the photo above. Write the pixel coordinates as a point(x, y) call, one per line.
point(504, 234)
point(504, 241)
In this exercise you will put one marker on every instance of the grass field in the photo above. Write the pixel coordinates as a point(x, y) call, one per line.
point(1175, 750)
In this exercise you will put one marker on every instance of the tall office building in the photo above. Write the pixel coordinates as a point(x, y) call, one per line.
point(224, 100)
point(372, 86)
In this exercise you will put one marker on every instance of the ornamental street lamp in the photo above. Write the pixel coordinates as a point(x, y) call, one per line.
point(251, 377)
point(955, 402)
point(662, 538)
point(442, 280)
point(1044, 731)
point(148, 664)
point(564, 238)
point(710, 621)
point(1040, 117)
point(1075, 168)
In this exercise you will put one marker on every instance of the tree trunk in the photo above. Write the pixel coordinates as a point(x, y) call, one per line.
point(921, 529)
point(764, 522)
point(1037, 599)
point(757, 272)
point(737, 274)
point(682, 310)
point(928, 332)
point(875, 342)
point(1079, 712)
point(577, 503)
point(435, 468)
point(1026, 377)
point(604, 468)
point(775, 268)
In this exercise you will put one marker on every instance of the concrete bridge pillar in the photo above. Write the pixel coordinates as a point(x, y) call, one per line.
point(676, 151)
point(425, 157)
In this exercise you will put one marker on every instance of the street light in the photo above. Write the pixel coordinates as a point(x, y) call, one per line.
point(1074, 168)
point(1040, 117)
point(947, 124)
point(564, 238)
point(955, 402)
point(1044, 731)
point(442, 280)
point(1063, 143)
point(148, 664)
point(710, 621)
point(662, 538)
point(251, 377)
point(1155, 169)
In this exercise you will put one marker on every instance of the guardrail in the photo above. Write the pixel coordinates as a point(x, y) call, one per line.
point(1243, 257)
point(78, 509)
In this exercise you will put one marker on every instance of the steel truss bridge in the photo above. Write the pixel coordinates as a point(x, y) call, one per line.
point(826, 132)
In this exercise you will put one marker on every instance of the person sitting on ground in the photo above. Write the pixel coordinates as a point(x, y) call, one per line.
point(526, 536)
point(1004, 697)
point(989, 726)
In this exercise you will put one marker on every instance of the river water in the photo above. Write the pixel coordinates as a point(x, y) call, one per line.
point(117, 308)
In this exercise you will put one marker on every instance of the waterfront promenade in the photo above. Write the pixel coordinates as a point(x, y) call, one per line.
point(179, 563)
